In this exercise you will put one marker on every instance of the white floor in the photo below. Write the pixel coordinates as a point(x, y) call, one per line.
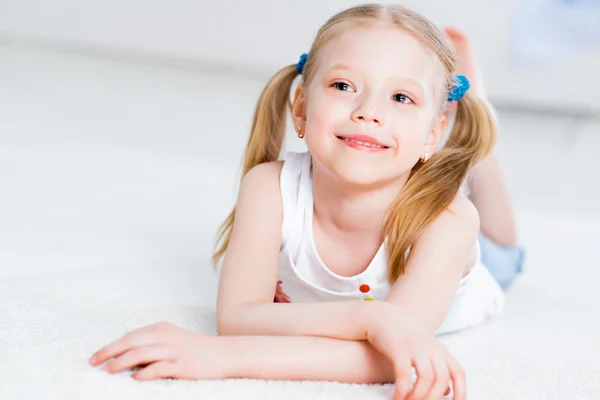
point(114, 177)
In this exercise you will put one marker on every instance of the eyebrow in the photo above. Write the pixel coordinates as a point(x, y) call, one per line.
point(340, 66)
point(421, 90)
point(407, 80)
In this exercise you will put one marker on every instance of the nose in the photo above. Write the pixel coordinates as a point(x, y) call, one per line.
point(368, 111)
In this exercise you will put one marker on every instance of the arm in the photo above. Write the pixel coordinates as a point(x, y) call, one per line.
point(248, 276)
point(249, 273)
point(440, 257)
point(324, 359)
point(306, 358)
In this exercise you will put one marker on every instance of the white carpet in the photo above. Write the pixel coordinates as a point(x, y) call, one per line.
point(545, 345)
point(106, 226)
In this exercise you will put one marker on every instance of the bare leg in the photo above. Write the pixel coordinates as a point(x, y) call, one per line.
point(489, 190)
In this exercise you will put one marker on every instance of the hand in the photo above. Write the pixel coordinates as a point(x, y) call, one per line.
point(407, 345)
point(166, 351)
point(280, 296)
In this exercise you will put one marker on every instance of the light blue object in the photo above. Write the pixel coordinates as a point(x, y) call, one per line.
point(459, 89)
point(505, 263)
point(553, 30)
point(300, 65)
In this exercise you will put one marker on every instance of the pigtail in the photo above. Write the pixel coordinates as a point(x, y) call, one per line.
point(266, 137)
point(433, 184)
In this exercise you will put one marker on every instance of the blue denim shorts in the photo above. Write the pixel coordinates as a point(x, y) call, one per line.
point(505, 263)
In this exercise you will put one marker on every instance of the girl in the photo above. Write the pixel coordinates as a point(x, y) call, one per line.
point(367, 235)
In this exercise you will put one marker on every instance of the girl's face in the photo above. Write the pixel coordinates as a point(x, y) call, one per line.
point(371, 109)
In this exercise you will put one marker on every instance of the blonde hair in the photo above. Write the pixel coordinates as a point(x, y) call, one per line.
point(432, 185)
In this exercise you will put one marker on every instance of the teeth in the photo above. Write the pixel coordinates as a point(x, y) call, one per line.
point(364, 143)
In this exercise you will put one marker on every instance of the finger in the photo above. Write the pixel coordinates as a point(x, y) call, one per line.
point(138, 356)
point(157, 370)
point(458, 377)
point(403, 372)
point(425, 378)
point(141, 337)
point(442, 377)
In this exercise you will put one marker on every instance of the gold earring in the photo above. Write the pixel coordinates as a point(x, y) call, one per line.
point(424, 159)
point(300, 133)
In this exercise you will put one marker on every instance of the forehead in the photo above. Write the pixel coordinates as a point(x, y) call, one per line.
point(382, 52)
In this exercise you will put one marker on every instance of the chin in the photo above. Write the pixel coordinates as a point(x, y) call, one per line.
point(355, 167)
point(365, 177)
point(353, 173)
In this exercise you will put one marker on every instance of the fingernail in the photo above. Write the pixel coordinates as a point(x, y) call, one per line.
point(92, 359)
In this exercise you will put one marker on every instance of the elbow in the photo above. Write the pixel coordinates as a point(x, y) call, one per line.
point(240, 319)
point(233, 321)
point(225, 325)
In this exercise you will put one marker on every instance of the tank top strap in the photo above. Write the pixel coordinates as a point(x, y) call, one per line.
point(295, 184)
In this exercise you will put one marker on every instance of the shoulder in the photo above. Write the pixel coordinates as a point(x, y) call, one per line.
point(259, 209)
point(458, 223)
point(262, 174)
point(273, 172)
point(463, 213)
point(274, 185)
point(449, 243)
point(261, 181)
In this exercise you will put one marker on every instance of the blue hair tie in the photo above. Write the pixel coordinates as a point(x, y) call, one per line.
point(459, 89)
point(300, 65)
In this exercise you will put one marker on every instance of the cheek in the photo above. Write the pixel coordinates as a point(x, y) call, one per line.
point(321, 125)
point(318, 120)
point(326, 111)
point(411, 132)
point(412, 125)
point(410, 148)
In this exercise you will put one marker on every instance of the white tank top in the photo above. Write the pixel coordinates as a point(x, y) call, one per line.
point(305, 278)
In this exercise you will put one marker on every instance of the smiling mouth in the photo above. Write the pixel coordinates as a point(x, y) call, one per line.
point(355, 142)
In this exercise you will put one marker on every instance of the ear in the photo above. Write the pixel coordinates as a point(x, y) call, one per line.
point(435, 135)
point(298, 107)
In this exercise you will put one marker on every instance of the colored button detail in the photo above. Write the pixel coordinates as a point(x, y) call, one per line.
point(365, 290)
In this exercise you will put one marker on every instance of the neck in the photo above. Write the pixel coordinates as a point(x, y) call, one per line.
point(352, 209)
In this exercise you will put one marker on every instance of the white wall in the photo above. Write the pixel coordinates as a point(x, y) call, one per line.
point(268, 34)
